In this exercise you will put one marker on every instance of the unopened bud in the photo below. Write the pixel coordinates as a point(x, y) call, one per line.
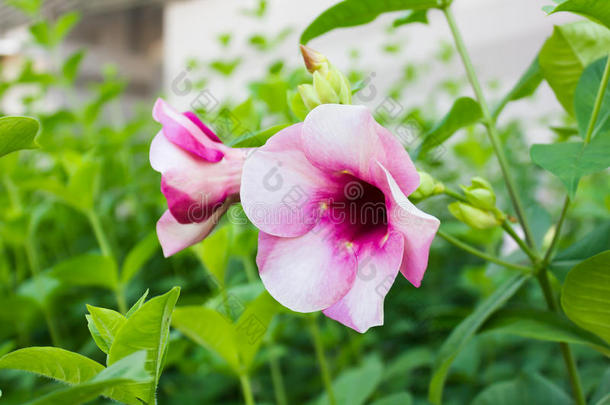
point(480, 194)
point(309, 96)
point(314, 60)
point(325, 91)
point(428, 186)
point(473, 216)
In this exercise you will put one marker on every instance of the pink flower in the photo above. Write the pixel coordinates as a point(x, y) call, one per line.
point(200, 177)
point(330, 199)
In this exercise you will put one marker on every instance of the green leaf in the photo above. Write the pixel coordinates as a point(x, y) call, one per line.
point(17, 133)
point(297, 106)
point(29, 7)
point(147, 329)
point(87, 270)
point(96, 335)
point(213, 252)
point(464, 332)
point(526, 389)
point(71, 66)
point(209, 329)
point(542, 325)
point(526, 86)
point(591, 244)
point(464, 112)
point(107, 324)
point(585, 296)
point(404, 363)
point(227, 67)
point(138, 256)
point(258, 138)
point(602, 392)
point(572, 160)
point(415, 16)
point(356, 385)
point(399, 398)
point(350, 13)
point(567, 52)
point(127, 370)
point(138, 304)
point(585, 97)
point(52, 362)
point(594, 9)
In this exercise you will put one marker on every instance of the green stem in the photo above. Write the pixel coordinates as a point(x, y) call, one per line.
point(489, 125)
point(529, 252)
point(246, 389)
point(482, 255)
point(279, 389)
point(454, 194)
point(319, 347)
point(566, 351)
point(562, 216)
point(598, 102)
point(102, 241)
point(32, 257)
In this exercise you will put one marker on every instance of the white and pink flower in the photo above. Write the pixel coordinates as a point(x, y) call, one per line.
point(200, 177)
point(330, 199)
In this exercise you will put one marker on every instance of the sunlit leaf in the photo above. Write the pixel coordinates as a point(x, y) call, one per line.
point(464, 332)
point(147, 329)
point(107, 324)
point(349, 13)
point(585, 296)
point(594, 9)
point(17, 133)
point(564, 56)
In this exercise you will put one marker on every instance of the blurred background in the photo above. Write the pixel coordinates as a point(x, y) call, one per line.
point(90, 71)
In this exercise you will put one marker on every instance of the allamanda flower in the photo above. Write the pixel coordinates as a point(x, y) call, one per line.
point(329, 196)
point(200, 177)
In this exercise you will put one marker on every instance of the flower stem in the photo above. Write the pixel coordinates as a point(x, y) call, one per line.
point(566, 351)
point(489, 125)
point(598, 102)
point(102, 241)
point(319, 347)
point(246, 389)
point(529, 252)
point(454, 194)
point(279, 389)
point(482, 255)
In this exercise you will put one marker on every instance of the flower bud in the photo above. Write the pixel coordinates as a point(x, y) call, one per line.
point(474, 217)
point(314, 60)
point(480, 194)
point(428, 186)
point(330, 86)
point(309, 96)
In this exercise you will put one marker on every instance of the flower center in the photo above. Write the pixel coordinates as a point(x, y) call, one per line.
point(358, 209)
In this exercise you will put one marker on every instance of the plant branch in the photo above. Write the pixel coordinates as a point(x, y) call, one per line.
point(598, 102)
point(529, 252)
point(489, 125)
point(319, 347)
point(482, 255)
point(562, 217)
point(246, 389)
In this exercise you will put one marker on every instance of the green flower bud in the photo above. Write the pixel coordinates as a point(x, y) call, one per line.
point(314, 60)
point(330, 86)
point(428, 186)
point(480, 194)
point(474, 217)
point(309, 96)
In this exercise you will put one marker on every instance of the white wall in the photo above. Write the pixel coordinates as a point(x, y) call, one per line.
point(502, 36)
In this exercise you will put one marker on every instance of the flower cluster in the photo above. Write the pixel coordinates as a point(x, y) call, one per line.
point(328, 195)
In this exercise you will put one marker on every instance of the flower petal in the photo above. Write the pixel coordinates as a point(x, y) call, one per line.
point(194, 187)
point(397, 161)
point(185, 133)
point(175, 236)
point(378, 264)
point(280, 189)
point(307, 273)
point(417, 227)
point(195, 119)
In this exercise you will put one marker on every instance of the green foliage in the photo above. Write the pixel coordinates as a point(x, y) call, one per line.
point(526, 86)
point(593, 9)
point(17, 133)
point(87, 270)
point(567, 52)
point(411, 17)
point(356, 386)
point(585, 295)
point(50, 35)
point(464, 332)
point(585, 97)
point(349, 13)
point(526, 389)
point(464, 112)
